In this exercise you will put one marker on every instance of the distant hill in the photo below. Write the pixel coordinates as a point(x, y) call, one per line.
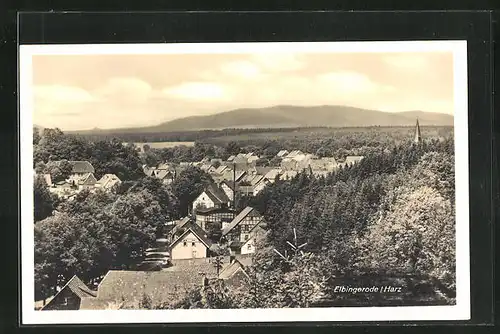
point(291, 116)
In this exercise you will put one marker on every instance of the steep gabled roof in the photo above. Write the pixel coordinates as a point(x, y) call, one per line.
point(81, 167)
point(198, 232)
point(220, 169)
point(163, 173)
point(217, 195)
point(239, 263)
point(87, 179)
point(271, 175)
point(282, 153)
point(109, 180)
point(294, 153)
point(76, 286)
point(227, 183)
point(242, 215)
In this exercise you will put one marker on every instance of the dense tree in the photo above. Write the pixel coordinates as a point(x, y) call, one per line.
point(58, 170)
point(414, 233)
point(94, 233)
point(232, 148)
point(36, 136)
point(44, 201)
point(106, 156)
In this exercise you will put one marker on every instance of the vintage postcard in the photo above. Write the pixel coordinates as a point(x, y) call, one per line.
point(244, 182)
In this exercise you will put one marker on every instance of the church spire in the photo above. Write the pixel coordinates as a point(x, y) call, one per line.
point(418, 136)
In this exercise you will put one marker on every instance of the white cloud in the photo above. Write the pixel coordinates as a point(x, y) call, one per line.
point(278, 62)
point(125, 88)
point(351, 83)
point(198, 91)
point(407, 62)
point(62, 94)
point(241, 69)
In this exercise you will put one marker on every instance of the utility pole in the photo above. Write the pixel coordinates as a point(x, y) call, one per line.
point(234, 186)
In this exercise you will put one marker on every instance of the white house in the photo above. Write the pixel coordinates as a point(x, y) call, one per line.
point(192, 244)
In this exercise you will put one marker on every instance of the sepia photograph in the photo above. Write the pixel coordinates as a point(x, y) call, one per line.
point(237, 182)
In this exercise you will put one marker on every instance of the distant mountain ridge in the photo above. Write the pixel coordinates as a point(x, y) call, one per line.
point(291, 116)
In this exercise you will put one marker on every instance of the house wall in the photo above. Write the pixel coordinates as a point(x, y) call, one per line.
point(184, 249)
point(203, 200)
point(249, 246)
point(66, 300)
point(216, 217)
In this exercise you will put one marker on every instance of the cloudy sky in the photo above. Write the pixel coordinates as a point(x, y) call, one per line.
point(76, 92)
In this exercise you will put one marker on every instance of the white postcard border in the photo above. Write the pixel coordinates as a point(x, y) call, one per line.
point(460, 311)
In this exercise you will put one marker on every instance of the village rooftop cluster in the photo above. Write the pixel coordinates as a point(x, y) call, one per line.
point(185, 257)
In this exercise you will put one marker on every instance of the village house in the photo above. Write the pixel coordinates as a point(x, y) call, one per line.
point(81, 168)
point(220, 170)
point(282, 153)
point(251, 185)
point(255, 235)
point(272, 175)
point(126, 289)
point(328, 164)
point(235, 274)
point(174, 229)
point(70, 296)
point(293, 154)
point(230, 175)
point(87, 181)
point(222, 216)
point(108, 182)
point(192, 244)
point(211, 197)
point(240, 227)
point(228, 188)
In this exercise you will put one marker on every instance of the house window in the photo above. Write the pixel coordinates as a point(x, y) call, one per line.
point(246, 237)
point(249, 246)
point(65, 301)
point(193, 244)
point(185, 243)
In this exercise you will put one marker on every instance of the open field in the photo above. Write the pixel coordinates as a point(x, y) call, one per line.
point(165, 144)
point(396, 133)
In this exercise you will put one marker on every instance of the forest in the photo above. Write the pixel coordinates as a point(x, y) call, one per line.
point(390, 216)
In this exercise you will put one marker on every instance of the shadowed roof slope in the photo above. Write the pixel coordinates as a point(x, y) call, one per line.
point(160, 286)
point(77, 287)
point(198, 232)
point(245, 212)
point(81, 167)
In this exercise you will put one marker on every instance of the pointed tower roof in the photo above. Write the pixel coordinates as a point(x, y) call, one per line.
point(418, 136)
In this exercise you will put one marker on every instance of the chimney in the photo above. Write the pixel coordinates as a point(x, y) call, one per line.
point(234, 186)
